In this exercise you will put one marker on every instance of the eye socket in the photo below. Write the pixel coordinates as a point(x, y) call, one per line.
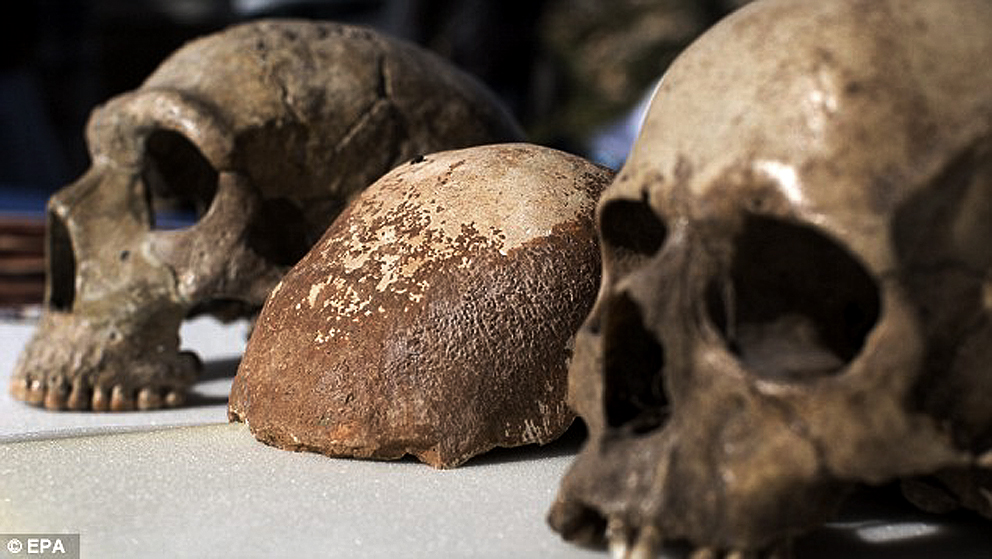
point(796, 304)
point(180, 184)
point(631, 231)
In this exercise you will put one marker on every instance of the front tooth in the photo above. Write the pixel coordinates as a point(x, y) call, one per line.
point(57, 395)
point(101, 402)
point(79, 398)
point(704, 553)
point(619, 549)
point(175, 398)
point(36, 393)
point(149, 399)
point(646, 544)
point(618, 537)
point(120, 400)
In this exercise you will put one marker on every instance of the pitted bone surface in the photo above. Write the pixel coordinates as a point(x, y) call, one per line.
point(267, 130)
point(436, 315)
point(795, 277)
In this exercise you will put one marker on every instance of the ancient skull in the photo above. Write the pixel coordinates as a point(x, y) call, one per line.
point(795, 294)
point(266, 129)
point(436, 316)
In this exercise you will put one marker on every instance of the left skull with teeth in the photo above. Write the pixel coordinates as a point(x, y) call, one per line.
point(266, 130)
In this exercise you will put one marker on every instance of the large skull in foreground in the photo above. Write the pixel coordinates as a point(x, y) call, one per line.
point(795, 293)
point(267, 129)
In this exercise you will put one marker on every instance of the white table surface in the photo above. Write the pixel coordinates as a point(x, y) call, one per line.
point(219, 346)
point(184, 483)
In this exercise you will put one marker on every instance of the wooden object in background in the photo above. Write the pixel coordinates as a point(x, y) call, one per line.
point(22, 261)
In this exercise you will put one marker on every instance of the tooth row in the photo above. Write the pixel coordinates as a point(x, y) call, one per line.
point(60, 395)
point(782, 552)
point(625, 542)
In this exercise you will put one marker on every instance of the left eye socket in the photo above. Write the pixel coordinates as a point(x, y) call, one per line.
point(796, 304)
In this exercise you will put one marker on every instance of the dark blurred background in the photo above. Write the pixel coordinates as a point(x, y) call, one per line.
point(576, 73)
point(566, 68)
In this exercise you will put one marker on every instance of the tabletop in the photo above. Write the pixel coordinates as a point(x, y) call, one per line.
point(185, 483)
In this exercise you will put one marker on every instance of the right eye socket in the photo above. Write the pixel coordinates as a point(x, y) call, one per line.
point(180, 183)
point(630, 231)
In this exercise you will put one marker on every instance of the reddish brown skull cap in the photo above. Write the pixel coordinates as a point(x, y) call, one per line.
point(436, 315)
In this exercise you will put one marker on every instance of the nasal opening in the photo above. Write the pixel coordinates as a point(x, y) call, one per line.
point(633, 367)
point(60, 288)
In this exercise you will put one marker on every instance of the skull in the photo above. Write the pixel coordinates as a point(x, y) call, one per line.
point(267, 130)
point(795, 295)
point(436, 315)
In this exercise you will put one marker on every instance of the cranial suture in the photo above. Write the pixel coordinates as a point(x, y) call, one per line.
point(795, 281)
point(436, 316)
point(265, 131)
